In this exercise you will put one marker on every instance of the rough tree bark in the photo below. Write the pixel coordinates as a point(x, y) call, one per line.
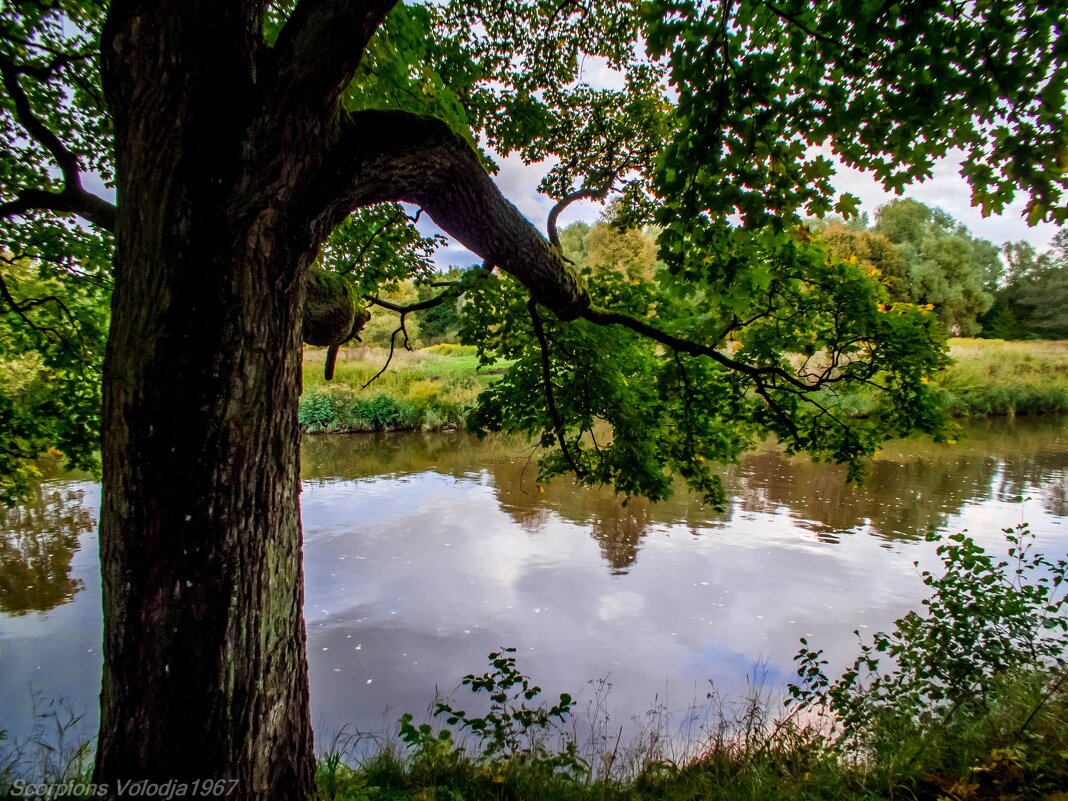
point(233, 163)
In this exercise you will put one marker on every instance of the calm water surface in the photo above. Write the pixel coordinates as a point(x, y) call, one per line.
point(425, 552)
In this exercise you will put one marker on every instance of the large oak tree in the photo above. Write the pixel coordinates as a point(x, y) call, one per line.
point(240, 135)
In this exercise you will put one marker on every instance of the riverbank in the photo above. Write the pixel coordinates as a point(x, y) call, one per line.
point(748, 757)
point(964, 702)
point(432, 389)
point(992, 377)
point(435, 388)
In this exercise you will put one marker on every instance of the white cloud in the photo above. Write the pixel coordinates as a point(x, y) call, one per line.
point(595, 71)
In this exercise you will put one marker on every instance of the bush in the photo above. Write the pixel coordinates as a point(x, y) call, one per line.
point(317, 412)
point(980, 674)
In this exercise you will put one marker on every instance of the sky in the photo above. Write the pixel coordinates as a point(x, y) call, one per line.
point(945, 189)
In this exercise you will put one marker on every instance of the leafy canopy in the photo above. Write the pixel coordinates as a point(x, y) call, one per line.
point(715, 121)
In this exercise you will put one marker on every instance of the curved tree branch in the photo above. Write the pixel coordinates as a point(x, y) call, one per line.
point(73, 198)
point(67, 161)
point(399, 156)
point(395, 155)
point(567, 200)
point(59, 59)
point(421, 305)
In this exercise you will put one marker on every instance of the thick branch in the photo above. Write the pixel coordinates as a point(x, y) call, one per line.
point(59, 60)
point(389, 155)
point(394, 155)
point(95, 209)
point(67, 161)
point(320, 47)
point(73, 199)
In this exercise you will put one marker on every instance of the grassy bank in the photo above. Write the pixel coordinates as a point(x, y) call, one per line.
point(967, 701)
point(747, 757)
point(998, 377)
point(431, 389)
point(435, 388)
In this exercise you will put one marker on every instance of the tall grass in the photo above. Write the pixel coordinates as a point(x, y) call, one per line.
point(55, 753)
point(997, 377)
point(431, 389)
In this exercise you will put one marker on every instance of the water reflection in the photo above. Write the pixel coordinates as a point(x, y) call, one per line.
point(37, 544)
point(914, 486)
point(425, 552)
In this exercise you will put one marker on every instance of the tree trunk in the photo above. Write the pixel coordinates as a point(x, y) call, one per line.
point(233, 161)
point(204, 644)
point(205, 674)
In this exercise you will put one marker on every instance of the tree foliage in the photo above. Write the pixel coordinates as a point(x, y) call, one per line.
point(1033, 302)
point(52, 333)
point(54, 283)
point(925, 257)
point(946, 267)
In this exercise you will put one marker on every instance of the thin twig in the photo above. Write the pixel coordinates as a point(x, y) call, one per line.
point(550, 399)
point(401, 329)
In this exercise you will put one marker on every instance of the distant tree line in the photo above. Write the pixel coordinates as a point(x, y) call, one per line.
point(922, 254)
point(1032, 302)
point(925, 257)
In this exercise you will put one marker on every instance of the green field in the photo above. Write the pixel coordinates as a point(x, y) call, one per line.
point(997, 377)
point(435, 388)
point(428, 390)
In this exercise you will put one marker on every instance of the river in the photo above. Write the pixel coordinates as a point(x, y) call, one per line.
point(424, 552)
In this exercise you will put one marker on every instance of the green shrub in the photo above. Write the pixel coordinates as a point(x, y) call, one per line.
point(317, 412)
point(981, 672)
point(380, 413)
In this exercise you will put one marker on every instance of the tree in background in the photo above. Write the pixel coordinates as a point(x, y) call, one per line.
point(241, 136)
point(53, 321)
point(603, 248)
point(573, 242)
point(931, 260)
point(441, 322)
point(945, 266)
point(872, 250)
point(1033, 302)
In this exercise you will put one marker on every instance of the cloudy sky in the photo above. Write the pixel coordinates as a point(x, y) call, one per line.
point(946, 189)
